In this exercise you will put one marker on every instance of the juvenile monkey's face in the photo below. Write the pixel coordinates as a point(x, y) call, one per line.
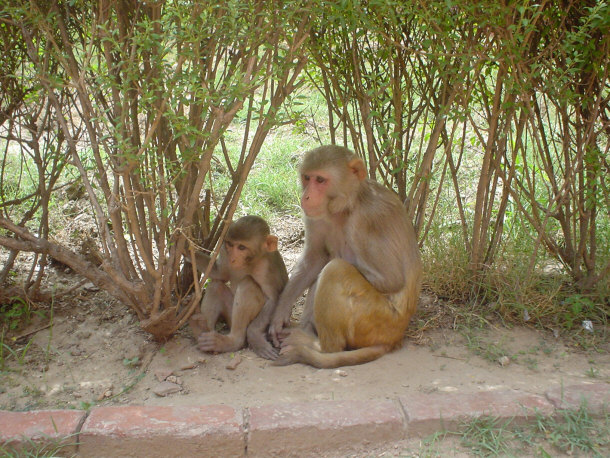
point(314, 199)
point(238, 253)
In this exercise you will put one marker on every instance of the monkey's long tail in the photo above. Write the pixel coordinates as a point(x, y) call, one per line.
point(313, 357)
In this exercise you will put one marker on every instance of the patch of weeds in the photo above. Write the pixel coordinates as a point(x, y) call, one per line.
point(593, 372)
point(44, 446)
point(590, 341)
point(489, 351)
point(131, 362)
point(575, 309)
point(18, 354)
point(16, 313)
point(542, 346)
point(487, 436)
point(530, 362)
point(84, 405)
point(433, 445)
point(575, 431)
point(8, 381)
point(35, 404)
point(32, 392)
point(546, 348)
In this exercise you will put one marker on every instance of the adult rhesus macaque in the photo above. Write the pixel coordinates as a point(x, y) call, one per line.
point(246, 281)
point(361, 264)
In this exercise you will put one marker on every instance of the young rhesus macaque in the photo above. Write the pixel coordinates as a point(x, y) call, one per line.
point(361, 264)
point(246, 281)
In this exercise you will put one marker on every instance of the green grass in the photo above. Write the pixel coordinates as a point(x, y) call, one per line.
point(272, 187)
point(43, 447)
point(570, 432)
point(487, 436)
point(478, 345)
point(574, 431)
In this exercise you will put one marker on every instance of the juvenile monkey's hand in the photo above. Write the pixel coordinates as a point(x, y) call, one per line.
point(198, 324)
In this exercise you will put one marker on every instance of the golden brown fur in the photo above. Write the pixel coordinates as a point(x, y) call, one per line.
point(361, 264)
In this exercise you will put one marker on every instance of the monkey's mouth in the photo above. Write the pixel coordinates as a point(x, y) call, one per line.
point(313, 214)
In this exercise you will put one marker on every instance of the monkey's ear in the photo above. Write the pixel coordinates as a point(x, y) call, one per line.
point(271, 243)
point(357, 168)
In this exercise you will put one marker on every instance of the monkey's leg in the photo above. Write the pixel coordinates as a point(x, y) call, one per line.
point(256, 334)
point(350, 313)
point(247, 303)
point(307, 318)
point(216, 301)
point(355, 322)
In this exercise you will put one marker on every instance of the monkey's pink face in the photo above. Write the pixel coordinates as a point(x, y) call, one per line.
point(314, 199)
point(238, 254)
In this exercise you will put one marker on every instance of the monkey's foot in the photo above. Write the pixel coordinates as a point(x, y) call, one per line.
point(264, 350)
point(213, 342)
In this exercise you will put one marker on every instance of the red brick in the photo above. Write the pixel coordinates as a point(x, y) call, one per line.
point(49, 428)
point(154, 431)
point(308, 429)
point(427, 413)
point(596, 396)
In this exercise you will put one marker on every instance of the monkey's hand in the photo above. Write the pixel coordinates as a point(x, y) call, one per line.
point(296, 345)
point(277, 325)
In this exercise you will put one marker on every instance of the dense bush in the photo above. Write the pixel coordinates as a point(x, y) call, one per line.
point(489, 119)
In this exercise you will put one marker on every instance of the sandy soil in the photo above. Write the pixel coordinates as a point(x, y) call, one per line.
point(96, 353)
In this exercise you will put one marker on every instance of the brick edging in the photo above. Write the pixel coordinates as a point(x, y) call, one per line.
point(299, 429)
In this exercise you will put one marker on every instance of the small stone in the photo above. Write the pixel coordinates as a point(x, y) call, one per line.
point(90, 287)
point(504, 361)
point(341, 373)
point(174, 379)
point(82, 335)
point(188, 366)
point(163, 373)
point(76, 352)
point(236, 361)
point(166, 388)
point(105, 394)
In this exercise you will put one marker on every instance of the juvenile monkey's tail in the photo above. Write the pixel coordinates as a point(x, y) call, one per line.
point(307, 355)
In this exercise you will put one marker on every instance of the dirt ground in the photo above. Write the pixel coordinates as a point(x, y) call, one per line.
point(95, 353)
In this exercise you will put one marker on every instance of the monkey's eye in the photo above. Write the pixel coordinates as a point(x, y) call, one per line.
point(320, 179)
point(229, 243)
point(242, 247)
point(306, 177)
